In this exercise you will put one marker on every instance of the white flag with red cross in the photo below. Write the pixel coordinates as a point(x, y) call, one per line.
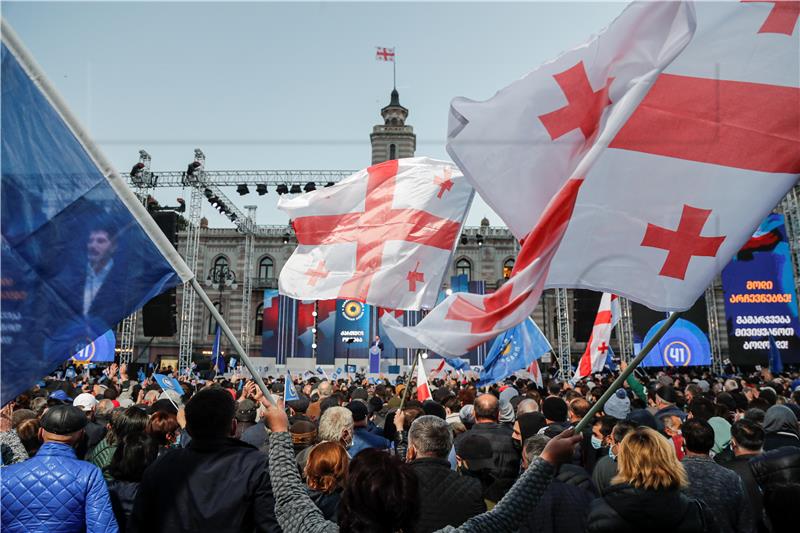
point(597, 349)
point(384, 235)
point(536, 373)
point(423, 389)
point(640, 162)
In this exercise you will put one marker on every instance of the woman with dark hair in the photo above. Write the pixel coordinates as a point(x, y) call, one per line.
point(381, 494)
point(123, 423)
point(325, 473)
point(28, 433)
point(135, 452)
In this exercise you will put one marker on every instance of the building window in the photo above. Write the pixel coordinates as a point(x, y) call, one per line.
point(508, 267)
point(259, 329)
point(463, 266)
point(392, 151)
point(212, 324)
point(266, 268)
point(220, 265)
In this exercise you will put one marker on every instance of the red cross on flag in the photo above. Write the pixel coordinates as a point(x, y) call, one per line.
point(639, 162)
point(594, 358)
point(423, 389)
point(383, 236)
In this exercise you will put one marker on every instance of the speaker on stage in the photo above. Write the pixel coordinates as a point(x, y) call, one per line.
point(159, 314)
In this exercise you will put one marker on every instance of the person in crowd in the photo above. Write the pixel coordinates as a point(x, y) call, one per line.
point(246, 410)
point(719, 488)
point(164, 429)
point(123, 423)
point(663, 404)
point(555, 412)
point(646, 494)
point(362, 437)
point(324, 390)
point(217, 483)
point(94, 431)
point(28, 433)
point(382, 493)
point(565, 504)
point(525, 426)
point(475, 459)
point(506, 456)
point(778, 475)
point(747, 442)
point(304, 435)
point(325, 473)
point(527, 405)
point(445, 497)
point(55, 491)
point(780, 425)
point(722, 434)
point(606, 467)
point(452, 406)
point(135, 453)
point(335, 425)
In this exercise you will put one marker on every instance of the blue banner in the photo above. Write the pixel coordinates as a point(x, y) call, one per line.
point(684, 344)
point(352, 322)
point(269, 324)
point(100, 350)
point(168, 383)
point(75, 261)
point(514, 350)
point(760, 297)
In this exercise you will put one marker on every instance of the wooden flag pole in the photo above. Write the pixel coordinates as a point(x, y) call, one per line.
point(232, 338)
point(627, 372)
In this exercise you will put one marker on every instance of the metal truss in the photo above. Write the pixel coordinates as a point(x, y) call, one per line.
point(232, 178)
point(713, 329)
point(625, 330)
point(791, 210)
point(247, 281)
point(563, 323)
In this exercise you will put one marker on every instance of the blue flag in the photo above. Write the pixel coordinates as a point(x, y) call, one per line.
point(79, 252)
point(100, 350)
point(167, 383)
point(458, 363)
point(610, 364)
point(216, 358)
point(289, 392)
point(141, 375)
point(775, 362)
point(514, 350)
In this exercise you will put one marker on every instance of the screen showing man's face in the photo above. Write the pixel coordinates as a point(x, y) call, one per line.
point(100, 247)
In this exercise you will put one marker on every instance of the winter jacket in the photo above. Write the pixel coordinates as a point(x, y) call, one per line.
point(327, 502)
point(55, 492)
point(13, 451)
point(123, 494)
point(446, 498)
point(722, 491)
point(221, 486)
point(773, 441)
point(626, 509)
point(101, 456)
point(363, 439)
point(741, 465)
point(297, 514)
point(564, 505)
point(506, 457)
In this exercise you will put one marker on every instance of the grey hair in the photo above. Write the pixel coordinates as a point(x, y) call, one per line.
point(528, 405)
point(534, 447)
point(324, 389)
point(430, 435)
point(333, 423)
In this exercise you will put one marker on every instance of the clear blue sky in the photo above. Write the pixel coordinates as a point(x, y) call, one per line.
point(290, 85)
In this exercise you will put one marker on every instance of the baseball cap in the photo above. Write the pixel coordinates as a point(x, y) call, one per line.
point(85, 401)
point(63, 420)
point(60, 395)
point(476, 450)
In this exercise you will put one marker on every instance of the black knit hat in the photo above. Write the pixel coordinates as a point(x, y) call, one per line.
point(555, 409)
point(63, 420)
point(476, 450)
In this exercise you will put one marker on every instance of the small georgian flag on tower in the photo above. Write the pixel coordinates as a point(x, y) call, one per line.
point(384, 54)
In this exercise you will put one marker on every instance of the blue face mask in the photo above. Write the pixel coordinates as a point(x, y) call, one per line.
point(612, 454)
point(596, 443)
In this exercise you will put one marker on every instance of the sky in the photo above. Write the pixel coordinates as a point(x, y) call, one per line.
point(283, 85)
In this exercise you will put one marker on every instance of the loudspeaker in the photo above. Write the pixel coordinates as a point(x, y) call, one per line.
point(158, 315)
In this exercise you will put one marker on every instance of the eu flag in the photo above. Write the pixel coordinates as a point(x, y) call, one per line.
point(79, 251)
point(514, 350)
point(289, 392)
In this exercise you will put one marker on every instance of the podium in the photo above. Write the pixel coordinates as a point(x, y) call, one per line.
point(374, 360)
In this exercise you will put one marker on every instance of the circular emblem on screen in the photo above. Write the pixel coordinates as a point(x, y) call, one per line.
point(353, 310)
point(677, 353)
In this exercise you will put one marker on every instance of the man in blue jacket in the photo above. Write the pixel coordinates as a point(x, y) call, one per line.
point(55, 491)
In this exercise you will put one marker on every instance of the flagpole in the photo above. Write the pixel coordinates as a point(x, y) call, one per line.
point(408, 385)
point(232, 338)
point(627, 372)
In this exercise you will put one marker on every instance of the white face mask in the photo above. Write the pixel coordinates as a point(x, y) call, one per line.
point(597, 443)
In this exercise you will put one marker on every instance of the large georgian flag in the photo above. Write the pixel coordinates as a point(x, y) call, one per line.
point(384, 235)
point(646, 157)
point(597, 349)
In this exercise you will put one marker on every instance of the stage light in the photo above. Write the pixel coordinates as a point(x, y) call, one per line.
point(479, 239)
point(313, 330)
point(295, 189)
point(464, 239)
point(193, 167)
point(448, 292)
point(261, 189)
point(286, 238)
point(232, 216)
point(208, 192)
point(181, 205)
point(242, 189)
point(282, 189)
point(310, 186)
point(313, 313)
point(137, 168)
point(314, 346)
point(330, 184)
point(424, 355)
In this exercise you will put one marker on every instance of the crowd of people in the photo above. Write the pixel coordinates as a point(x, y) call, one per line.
point(677, 451)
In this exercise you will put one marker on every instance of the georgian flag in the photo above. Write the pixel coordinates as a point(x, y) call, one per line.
point(423, 389)
point(640, 162)
point(384, 235)
point(598, 348)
